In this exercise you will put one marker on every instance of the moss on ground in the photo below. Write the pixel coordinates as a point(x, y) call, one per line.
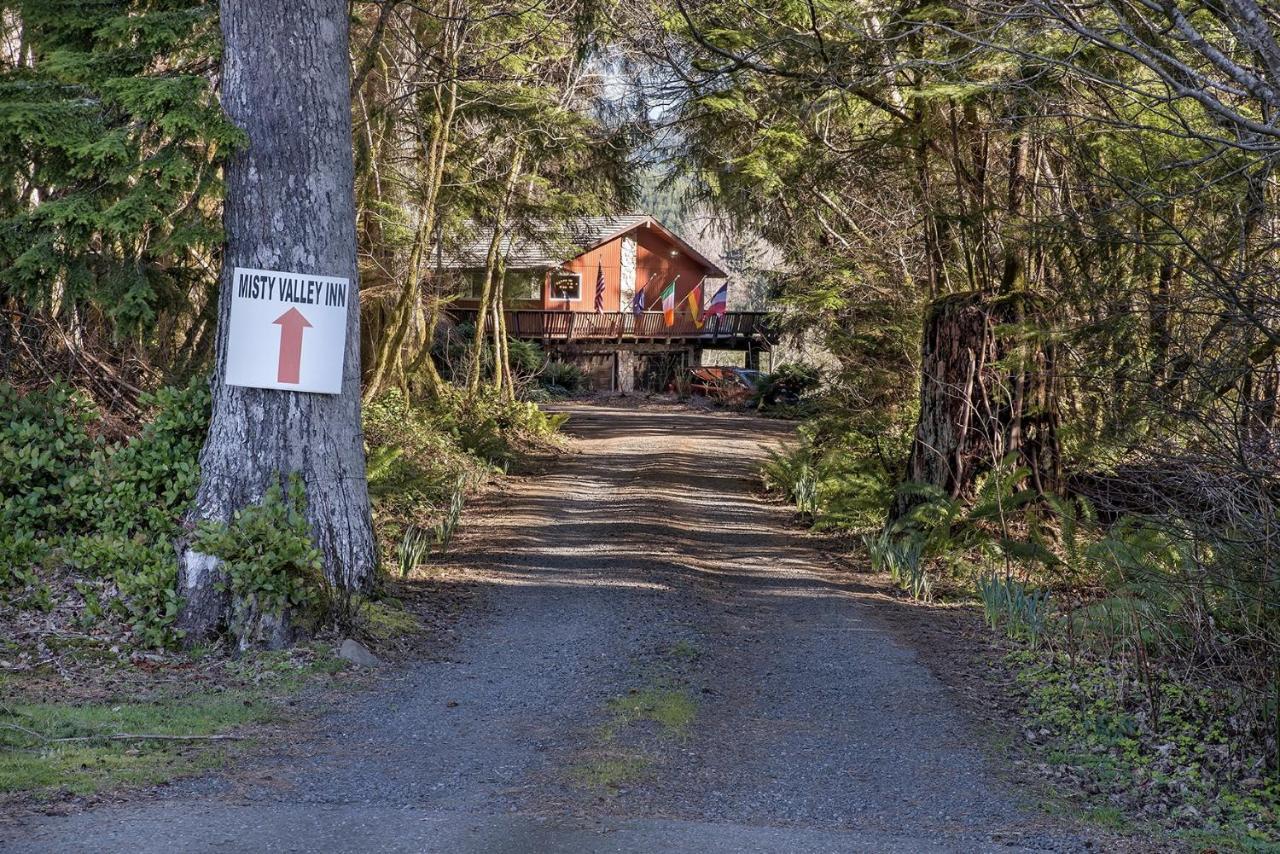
point(55, 747)
point(50, 748)
point(387, 619)
point(673, 709)
point(610, 773)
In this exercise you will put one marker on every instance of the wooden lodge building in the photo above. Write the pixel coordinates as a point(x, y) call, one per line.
point(551, 286)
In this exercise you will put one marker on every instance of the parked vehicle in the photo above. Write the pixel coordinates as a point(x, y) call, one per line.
point(724, 384)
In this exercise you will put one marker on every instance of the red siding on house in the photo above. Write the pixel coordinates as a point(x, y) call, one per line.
point(658, 261)
point(656, 265)
point(609, 257)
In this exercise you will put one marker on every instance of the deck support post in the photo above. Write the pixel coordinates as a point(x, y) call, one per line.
point(626, 371)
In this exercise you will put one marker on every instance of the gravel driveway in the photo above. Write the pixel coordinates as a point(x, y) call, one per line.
point(663, 665)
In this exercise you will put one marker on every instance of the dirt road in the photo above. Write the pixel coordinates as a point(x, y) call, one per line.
point(663, 665)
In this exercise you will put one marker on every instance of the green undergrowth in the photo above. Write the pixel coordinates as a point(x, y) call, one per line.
point(837, 476)
point(427, 457)
point(88, 577)
point(1156, 750)
point(54, 748)
point(1150, 644)
point(90, 524)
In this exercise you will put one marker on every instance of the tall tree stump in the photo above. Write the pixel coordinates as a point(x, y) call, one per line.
point(986, 391)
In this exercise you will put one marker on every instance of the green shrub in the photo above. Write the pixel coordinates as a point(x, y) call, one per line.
point(270, 563)
point(415, 460)
point(837, 478)
point(45, 456)
point(147, 485)
point(413, 451)
point(424, 456)
point(562, 378)
point(792, 472)
point(145, 574)
point(786, 384)
point(20, 554)
point(525, 357)
point(114, 510)
point(498, 430)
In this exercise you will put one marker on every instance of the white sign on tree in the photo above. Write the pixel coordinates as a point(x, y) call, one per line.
point(287, 330)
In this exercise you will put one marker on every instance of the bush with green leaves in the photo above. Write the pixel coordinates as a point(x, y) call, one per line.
point(145, 575)
point(46, 458)
point(107, 511)
point(562, 378)
point(420, 451)
point(414, 463)
point(272, 568)
point(786, 385)
point(525, 357)
point(496, 429)
point(836, 476)
point(792, 472)
point(146, 485)
point(20, 555)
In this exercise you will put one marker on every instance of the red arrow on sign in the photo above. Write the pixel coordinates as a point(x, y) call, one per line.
point(291, 325)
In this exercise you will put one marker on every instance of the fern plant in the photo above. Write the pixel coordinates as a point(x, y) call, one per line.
point(793, 473)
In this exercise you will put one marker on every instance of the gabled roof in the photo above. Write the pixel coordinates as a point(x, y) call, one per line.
point(553, 245)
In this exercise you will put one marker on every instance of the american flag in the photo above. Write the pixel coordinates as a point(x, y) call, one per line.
point(599, 288)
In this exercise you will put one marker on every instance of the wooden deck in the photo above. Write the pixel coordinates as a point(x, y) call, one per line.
point(734, 330)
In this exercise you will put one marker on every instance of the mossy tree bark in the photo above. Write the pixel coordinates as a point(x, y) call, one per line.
point(986, 391)
point(290, 206)
point(388, 353)
point(491, 271)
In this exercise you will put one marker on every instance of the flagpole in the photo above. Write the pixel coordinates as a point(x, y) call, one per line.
point(645, 289)
point(673, 281)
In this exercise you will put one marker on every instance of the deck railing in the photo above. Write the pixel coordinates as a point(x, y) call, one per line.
point(734, 326)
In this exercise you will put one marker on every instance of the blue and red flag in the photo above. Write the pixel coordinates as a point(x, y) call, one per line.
point(719, 302)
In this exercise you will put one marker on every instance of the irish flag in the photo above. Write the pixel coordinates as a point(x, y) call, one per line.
point(669, 303)
point(719, 303)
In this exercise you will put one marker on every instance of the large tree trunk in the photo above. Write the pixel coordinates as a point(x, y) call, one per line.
point(985, 392)
point(290, 206)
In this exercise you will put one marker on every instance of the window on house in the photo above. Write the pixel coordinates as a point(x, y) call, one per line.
point(472, 282)
point(525, 284)
point(566, 286)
